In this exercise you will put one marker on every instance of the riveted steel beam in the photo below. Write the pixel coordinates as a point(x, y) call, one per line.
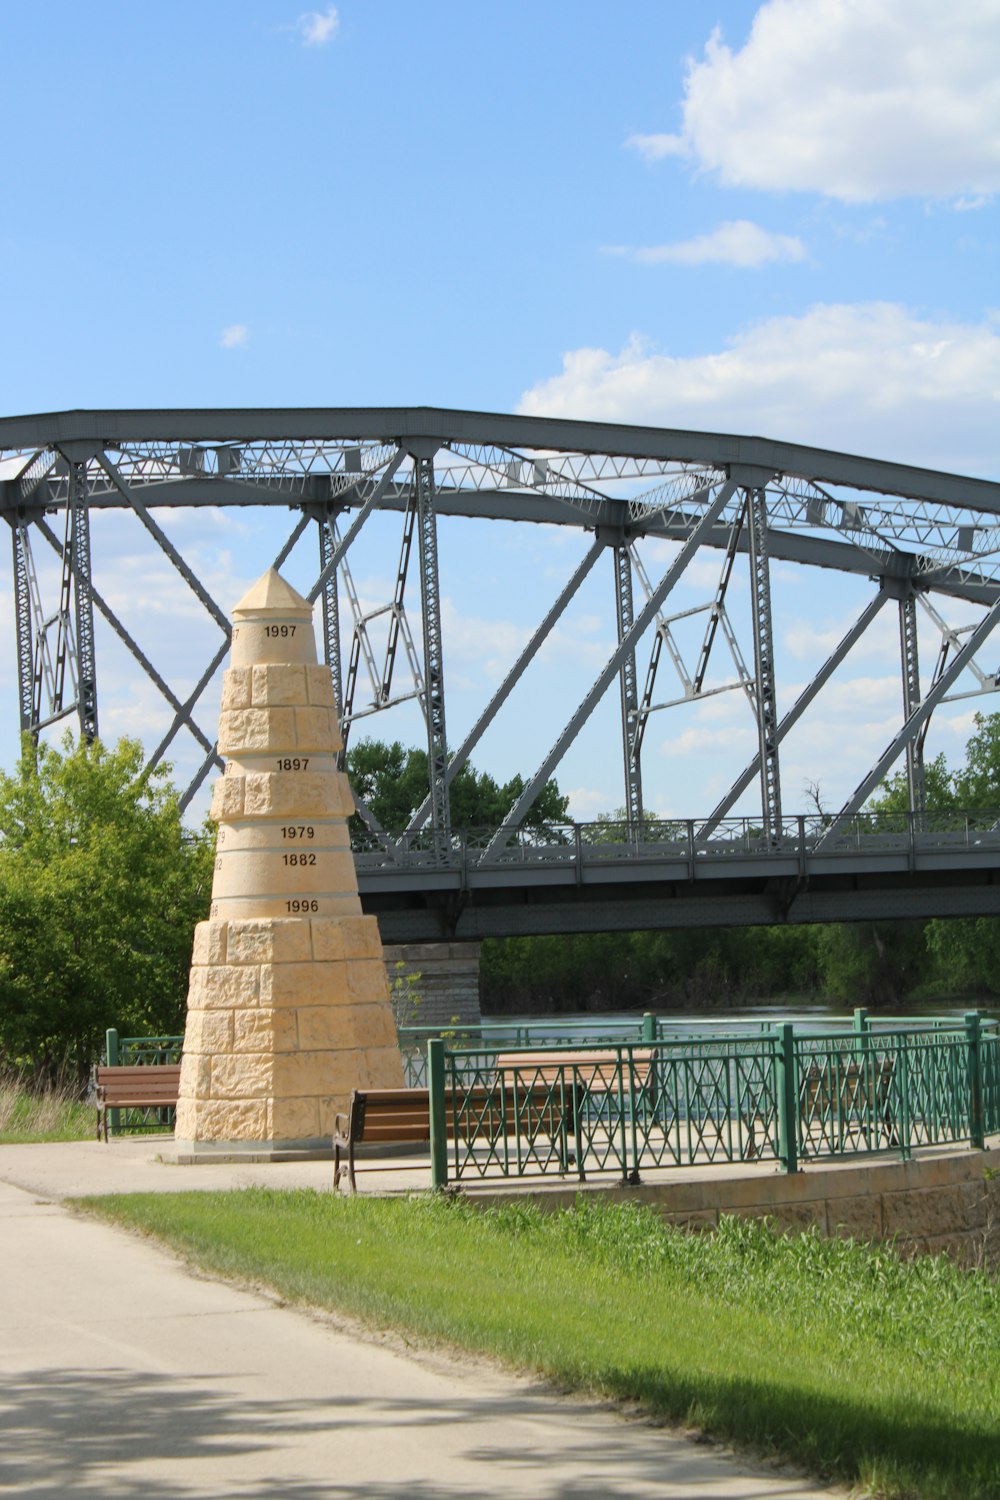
point(21, 544)
point(625, 619)
point(915, 722)
point(430, 594)
point(645, 617)
point(763, 650)
point(791, 718)
point(910, 662)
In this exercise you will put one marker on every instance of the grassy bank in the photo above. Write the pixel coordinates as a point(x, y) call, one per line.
point(54, 1114)
point(836, 1356)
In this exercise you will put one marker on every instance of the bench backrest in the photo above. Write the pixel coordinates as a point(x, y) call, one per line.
point(159, 1081)
point(596, 1066)
point(402, 1115)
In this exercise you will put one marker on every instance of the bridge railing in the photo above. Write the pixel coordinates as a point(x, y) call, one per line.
point(689, 839)
point(629, 1107)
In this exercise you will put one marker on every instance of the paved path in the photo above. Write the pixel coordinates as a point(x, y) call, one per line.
point(123, 1375)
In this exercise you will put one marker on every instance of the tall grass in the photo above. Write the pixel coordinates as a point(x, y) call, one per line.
point(840, 1357)
point(54, 1113)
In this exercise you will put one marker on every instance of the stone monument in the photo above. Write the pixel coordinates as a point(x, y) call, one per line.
point(288, 1005)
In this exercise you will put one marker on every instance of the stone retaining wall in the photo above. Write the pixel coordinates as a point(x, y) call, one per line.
point(940, 1200)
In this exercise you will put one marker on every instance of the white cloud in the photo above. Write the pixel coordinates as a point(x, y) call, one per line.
point(234, 337)
point(869, 378)
point(656, 147)
point(317, 28)
point(737, 243)
point(585, 803)
point(852, 99)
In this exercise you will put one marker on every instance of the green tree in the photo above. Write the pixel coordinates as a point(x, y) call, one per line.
point(977, 785)
point(394, 782)
point(942, 788)
point(100, 888)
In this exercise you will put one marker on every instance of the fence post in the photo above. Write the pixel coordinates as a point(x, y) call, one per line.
point(648, 1027)
point(112, 1054)
point(861, 1024)
point(977, 1135)
point(438, 1113)
point(786, 1093)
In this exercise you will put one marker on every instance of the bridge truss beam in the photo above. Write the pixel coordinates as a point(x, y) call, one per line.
point(918, 534)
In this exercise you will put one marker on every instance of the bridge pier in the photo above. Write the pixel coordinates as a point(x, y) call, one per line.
point(445, 981)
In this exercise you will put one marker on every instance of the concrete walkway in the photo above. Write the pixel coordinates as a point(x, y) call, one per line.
point(124, 1375)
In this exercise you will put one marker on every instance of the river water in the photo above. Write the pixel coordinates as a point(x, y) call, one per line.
point(812, 1014)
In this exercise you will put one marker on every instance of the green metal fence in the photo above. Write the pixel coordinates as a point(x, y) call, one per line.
point(652, 1092)
point(784, 1096)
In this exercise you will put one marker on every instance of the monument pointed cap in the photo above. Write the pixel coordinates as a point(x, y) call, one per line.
point(272, 595)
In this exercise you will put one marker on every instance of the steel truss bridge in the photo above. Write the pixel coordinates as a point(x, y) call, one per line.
point(929, 543)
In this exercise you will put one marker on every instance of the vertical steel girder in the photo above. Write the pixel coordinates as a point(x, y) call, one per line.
point(798, 708)
point(716, 612)
point(331, 611)
point(763, 650)
point(430, 595)
point(915, 722)
point(396, 615)
point(514, 676)
point(80, 561)
point(22, 601)
point(641, 624)
point(629, 687)
point(910, 661)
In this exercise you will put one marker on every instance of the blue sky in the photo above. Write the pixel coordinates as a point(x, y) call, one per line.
point(776, 218)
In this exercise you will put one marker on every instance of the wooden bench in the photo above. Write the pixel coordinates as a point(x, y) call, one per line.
point(855, 1097)
point(147, 1086)
point(548, 1067)
point(400, 1117)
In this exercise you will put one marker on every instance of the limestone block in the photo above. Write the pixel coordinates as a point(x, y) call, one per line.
point(209, 1031)
point(319, 833)
point(790, 1216)
point(317, 729)
point(264, 1030)
point(239, 907)
point(210, 943)
point(327, 1026)
point(278, 794)
point(319, 686)
point(247, 872)
point(244, 762)
point(236, 687)
point(243, 1075)
point(696, 1218)
point(367, 981)
point(278, 683)
point(280, 640)
point(256, 729)
point(318, 1074)
point(382, 1068)
point(267, 940)
point(928, 1211)
point(196, 1075)
point(227, 798)
point(858, 1217)
point(223, 1120)
point(304, 984)
point(294, 1120)
point(219, 987)
point(186, 1118)
point(357, 938)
